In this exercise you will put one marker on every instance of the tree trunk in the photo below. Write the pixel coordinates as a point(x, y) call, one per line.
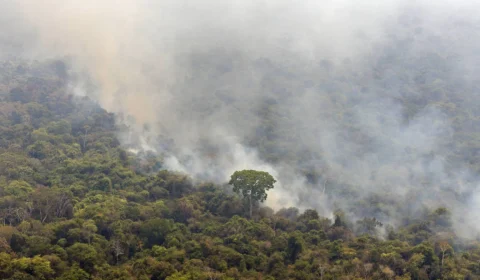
point(274, 220)
point(250, 201)
point(320, 272)
point(443, 257)
point(85, 139)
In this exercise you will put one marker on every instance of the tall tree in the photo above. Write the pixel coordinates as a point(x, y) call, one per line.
point(252, 185)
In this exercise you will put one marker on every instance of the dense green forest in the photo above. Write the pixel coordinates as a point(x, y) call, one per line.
point(75, 205)
point(250, 140)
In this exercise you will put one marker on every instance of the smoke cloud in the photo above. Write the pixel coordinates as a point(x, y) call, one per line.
point(327, 96)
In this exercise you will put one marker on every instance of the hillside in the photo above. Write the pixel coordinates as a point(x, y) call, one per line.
point(167, 139)
point(76, 205)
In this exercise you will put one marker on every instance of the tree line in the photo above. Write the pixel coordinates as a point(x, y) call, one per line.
point(75, 205)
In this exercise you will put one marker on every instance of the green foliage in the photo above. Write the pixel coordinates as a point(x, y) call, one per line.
point(252, 185)
point(75, 273)
point(83, 254)
point(295, 246)
point(75, 205)
point(18, 188)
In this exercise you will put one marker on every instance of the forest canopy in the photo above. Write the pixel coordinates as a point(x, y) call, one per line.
point(249, 139)
point(76, 205)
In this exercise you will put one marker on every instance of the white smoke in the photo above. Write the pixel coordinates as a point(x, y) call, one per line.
point(190, 80)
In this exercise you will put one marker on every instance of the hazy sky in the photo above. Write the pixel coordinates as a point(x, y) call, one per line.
point(198, 73)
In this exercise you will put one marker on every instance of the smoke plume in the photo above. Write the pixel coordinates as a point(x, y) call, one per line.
point(327, 96)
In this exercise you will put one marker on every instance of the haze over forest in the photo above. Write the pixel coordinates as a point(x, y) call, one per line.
point(370, 108)
point(375, 98)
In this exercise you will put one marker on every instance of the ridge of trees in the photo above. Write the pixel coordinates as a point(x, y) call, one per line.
point(75, 205)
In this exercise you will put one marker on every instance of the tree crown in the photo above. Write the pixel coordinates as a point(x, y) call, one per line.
point(252, 183)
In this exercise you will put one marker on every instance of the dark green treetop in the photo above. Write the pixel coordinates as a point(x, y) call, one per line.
point(252, 185)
